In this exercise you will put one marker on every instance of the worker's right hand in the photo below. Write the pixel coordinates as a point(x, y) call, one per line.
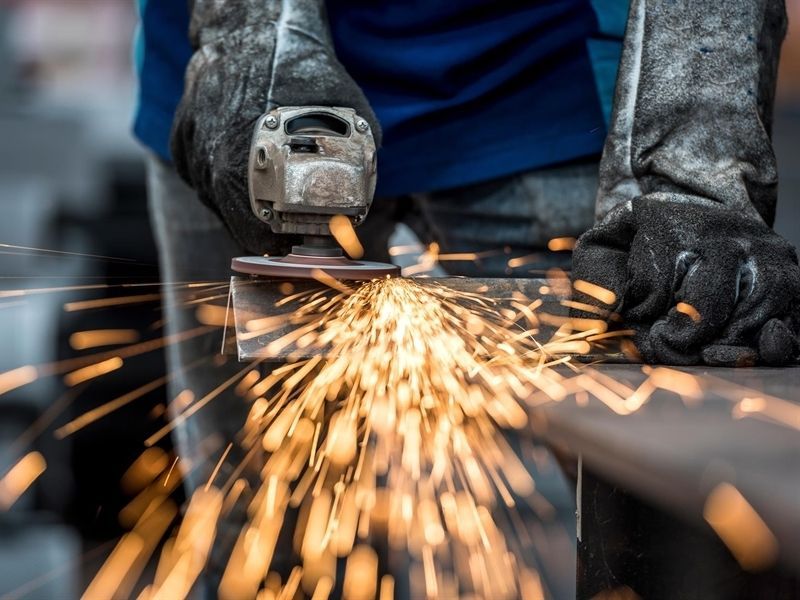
point(251, 56)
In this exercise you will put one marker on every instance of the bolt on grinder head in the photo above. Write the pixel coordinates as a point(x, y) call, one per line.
point(308, 164)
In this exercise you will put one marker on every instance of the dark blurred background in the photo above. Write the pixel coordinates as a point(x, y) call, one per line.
point(72, 179)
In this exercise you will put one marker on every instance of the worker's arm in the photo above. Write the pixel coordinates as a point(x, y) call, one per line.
point(688, 186)
point(250, 57)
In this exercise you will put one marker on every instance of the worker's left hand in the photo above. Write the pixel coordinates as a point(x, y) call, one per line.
point(696, 280)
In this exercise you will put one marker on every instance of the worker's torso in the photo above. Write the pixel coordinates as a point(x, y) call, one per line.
point(465, 91)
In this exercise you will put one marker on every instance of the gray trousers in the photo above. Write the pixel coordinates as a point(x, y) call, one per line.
point(509, 217)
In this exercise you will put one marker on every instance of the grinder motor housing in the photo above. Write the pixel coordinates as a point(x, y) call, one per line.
point(309, 163)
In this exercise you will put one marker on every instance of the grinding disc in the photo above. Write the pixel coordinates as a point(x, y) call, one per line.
point(296, 266)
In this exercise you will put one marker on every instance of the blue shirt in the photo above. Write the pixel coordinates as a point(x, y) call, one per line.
point(465, 91)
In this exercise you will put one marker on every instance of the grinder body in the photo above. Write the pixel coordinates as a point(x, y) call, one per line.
point(308, 164)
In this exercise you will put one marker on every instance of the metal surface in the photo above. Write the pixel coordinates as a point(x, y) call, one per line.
point(302, 266)
point(308, 164)
point(628, 542)
point(672, 453)
point(257, 298)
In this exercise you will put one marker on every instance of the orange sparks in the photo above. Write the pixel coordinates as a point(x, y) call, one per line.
point(20, 477)
point(108, 302)
point(685, 385)
point(597, 292)
point(403, 250)
point(342, 230)
point(92, 371)
point(741, 528)
point(361, 573)
point(520, 261)
point(218, 466)
point(83, 340)
point(16, 378)
point(330, 281)
point(688, 310)
point(211, 314)
point(387, 588)
point(769, 407)
point(149, 465)
point(122, 569)
point(158, 435)
point(111, 575)
point(560, 244)
point(103, 410)
point(417, 382)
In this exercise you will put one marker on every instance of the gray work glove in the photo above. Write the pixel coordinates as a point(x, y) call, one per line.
point(251, 56)
point(688, 187)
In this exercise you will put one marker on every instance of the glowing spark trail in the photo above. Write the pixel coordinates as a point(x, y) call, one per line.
point(390, 439)
point(396, 433)
point(20, 477)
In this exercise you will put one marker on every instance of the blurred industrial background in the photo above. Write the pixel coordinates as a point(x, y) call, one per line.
point(72, 180)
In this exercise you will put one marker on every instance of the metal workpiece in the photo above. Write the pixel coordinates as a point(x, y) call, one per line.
point(646, 479)
point(309, 163)
point(253, 299)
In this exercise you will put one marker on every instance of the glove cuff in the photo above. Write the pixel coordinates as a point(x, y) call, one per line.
point(693, 105)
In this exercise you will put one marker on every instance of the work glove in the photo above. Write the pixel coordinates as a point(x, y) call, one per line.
point(688, 187)
point(251, 56)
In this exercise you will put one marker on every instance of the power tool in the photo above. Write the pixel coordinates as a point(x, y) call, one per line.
point(308, 164)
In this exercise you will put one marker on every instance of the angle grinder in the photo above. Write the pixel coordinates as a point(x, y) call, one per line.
point(308, 164)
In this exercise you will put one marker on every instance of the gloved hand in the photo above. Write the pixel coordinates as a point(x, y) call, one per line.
point(688, 189)
point(250, 57)
point(696, 281)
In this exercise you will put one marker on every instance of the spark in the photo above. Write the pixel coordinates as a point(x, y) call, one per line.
point(20, 477)
point(124, 566)
point(149, 465)
point(519, 261)
point(108, 302)
point(361, 573)
point(210, 314)
point(600, 293)
point(83, 340)
point(561, 243)
point(408, 249)
point(137, 349)
point(330, 281)
point(16, 378)
point(394, 429)
point(689, 310)
point(218, 466)
point(397, 390)
point(98, 286)
point(107, 408)
point(111, 575)
point(741, 528)
point(171, 469)
point(343, 232)
point(92, 371)
point(64, 253)
point(684, 384)
point(194, 408)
